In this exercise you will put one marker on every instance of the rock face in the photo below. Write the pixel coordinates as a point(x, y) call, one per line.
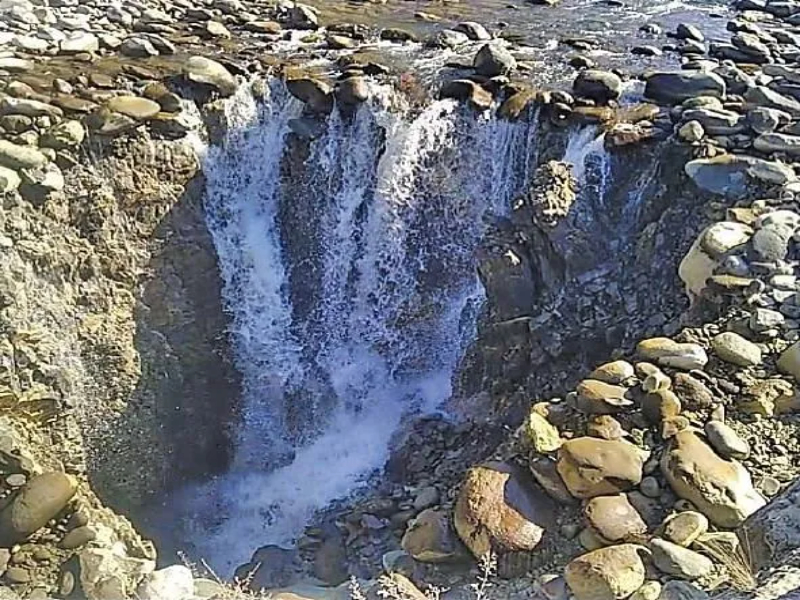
point(42, 499)
point(721, 490)
point(606, 574)
point(773, 532)
point(595, 467)
point(499, 509)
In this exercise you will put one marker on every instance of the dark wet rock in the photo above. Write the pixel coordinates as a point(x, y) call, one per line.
point(269, 567)
point(493, 60)
point(728, 174)
point(517, 104)
point(681, 590)
point(340, 42)
point(581, 62)
point(303, 17)
point(764, 96)
point(773, 532)
point(716, 122)
point(646, 51)
point(40, 500)
point(600, 86)
point(430, 538)
point(677, 86)
point(447, 38)
point(138, 47)
point(498, 509)
point(778, 142)
point(316, 94)
point(352, 91)
point(474, 31)
point(330, 560)
point(398, 35)
point(307, 128)
point(767, 120)
point(466, 90)
point(689, 32)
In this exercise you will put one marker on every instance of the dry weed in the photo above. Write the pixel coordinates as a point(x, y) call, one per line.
point(237, 589)
point(738, 565)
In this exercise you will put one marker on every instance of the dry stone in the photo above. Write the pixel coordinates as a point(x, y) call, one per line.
point(595, 467)
point(614, 518)
point(599, 398)
point(430, 538)
point(40, 500)
point(613, 373)
point(499, 509)
point(721, 490)
point(678, 561)
point(607, 573)
point(669, 353)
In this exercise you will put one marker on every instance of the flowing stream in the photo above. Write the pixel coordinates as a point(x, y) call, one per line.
point(349, 272)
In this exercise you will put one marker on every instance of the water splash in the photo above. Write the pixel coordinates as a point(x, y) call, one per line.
point(374, 235)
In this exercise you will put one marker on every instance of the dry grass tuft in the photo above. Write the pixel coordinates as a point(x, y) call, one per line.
point(238, 589)
point(738, 565)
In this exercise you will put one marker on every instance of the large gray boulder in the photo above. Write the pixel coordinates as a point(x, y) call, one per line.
point(673, 87)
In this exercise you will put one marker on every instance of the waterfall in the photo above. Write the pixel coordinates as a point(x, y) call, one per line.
point(349, 272)
point(591, 163)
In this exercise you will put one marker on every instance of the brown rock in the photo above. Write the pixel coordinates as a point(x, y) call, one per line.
point(499, 509)
point(660, 405)
point(606, 574)
point(720, 489)
point(606, 427)
point(614, 373)
point(594, 467)
point(430, 538)
point(545, 473)
point(685, 527)
point(599, 398)
point(693, 392)
point(40, 500)
point(614, 518)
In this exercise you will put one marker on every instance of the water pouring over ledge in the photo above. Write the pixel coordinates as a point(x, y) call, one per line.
point(350, 277)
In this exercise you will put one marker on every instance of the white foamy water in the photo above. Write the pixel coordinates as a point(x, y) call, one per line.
point(374, 235)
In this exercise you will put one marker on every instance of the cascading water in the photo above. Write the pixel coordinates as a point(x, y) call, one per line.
point(350, 275)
